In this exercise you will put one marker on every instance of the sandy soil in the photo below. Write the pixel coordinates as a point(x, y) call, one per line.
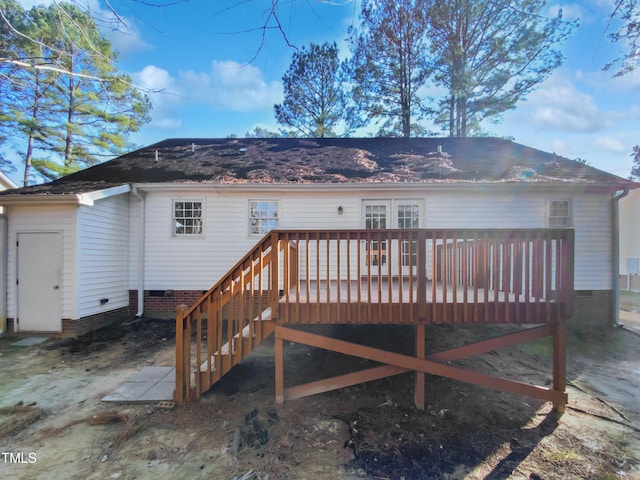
point(53, 424)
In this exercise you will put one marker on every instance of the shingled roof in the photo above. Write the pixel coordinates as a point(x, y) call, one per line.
point(329, 161)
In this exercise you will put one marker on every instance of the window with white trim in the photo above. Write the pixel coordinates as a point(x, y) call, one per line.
point(263, 216)
point(559, 213)
point(187, 217)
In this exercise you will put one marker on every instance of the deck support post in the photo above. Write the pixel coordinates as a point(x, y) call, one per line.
point(279, 361)
point(418, 395)
point(560, 362)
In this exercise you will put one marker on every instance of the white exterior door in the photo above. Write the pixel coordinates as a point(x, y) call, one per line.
point(382, 214)
point(39, 278)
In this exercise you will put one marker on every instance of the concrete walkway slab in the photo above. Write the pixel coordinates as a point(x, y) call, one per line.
point(630, 320)
point(149, 385)
point(29, 341)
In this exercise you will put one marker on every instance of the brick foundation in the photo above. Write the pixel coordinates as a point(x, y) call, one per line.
point(81, 326)
point(593, 308)
point(163, 303)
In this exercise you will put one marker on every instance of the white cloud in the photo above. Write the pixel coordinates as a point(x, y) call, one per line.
point(228, 86)
point(122, 32)
point(166, 96)
point(559, 105)
point(570, 11)
point(240, 87)
point(610, 143)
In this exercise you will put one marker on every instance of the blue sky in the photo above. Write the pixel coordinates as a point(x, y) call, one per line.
point(218, 76)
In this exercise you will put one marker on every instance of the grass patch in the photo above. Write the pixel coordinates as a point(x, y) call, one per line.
point(17, 418)
point(629, 300)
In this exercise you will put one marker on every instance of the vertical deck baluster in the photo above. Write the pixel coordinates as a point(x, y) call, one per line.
point(338, 276)
point(444, 264)
point(465, 277)
point(328, 275)
point(389, 277)
point(187, 360)
point(251, 304)
point(412, 268)
point(359, 274)
point(548, 261)
point(211, 332)
point(527, 277)
point(379, 237)
point(296, 275)
point(401, 240)
point(307, 278)
point(558, 272)
point(454, 275)
point(198, 376)
point(259, 335)
point(506, 275)
point(488, 249)
point(517, 277)
point(349, 277)
point(434, 276)
point(496, 276)
point(538, 271)
point(318, 277)
point(369, 287)
point(475, 272)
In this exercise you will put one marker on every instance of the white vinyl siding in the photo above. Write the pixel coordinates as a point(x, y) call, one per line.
point(60, 219)
point(103, 256)
point(593, 247)
point(180, 264)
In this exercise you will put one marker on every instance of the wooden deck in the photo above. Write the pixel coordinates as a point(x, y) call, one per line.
point(369, 301)
point(415, 277)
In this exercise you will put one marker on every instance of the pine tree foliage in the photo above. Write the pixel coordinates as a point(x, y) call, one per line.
point(315, 102)
point(489, 54)
point(388, 65)
point(71, 107)
point(628, 11)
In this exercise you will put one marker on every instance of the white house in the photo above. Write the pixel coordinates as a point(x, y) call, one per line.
point(153, 229)
point(630, 241)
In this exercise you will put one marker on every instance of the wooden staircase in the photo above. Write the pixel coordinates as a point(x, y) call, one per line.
point(230, 320)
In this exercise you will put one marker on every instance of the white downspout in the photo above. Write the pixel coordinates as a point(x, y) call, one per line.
point(140, 263)
point(616, 255)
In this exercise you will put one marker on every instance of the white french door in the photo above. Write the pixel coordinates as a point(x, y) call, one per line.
point(383, 214)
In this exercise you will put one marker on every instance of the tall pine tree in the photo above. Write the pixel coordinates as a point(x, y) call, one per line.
point(71, 107)
point(488, 55)
point(388, 64)
point(315, 102)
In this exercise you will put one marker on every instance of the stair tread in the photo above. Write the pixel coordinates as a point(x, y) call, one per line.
point(266, 316)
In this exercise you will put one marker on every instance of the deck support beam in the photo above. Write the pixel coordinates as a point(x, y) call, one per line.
point(418, 393)
point(559, 362)
point(396, 363)
point(279, 360)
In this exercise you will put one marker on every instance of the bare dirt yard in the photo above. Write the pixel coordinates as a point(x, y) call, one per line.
point(53, 424)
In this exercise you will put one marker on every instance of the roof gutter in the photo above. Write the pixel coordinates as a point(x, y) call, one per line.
point(615, 235)
point(87, 198)
point(140, 260)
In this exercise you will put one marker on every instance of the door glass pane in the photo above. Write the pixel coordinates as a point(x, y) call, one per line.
point(375, 217)
point(409, 217)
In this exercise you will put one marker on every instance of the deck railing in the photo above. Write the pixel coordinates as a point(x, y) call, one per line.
point(373, 276)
